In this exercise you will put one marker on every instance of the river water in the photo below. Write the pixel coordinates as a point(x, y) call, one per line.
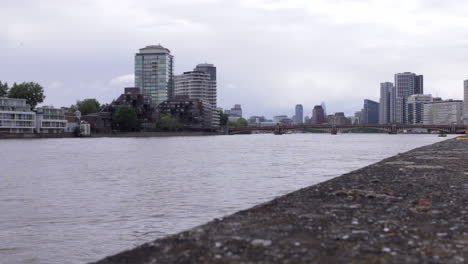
point(78, 200)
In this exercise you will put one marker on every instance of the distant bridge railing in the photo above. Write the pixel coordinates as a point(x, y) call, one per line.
point(334, 129)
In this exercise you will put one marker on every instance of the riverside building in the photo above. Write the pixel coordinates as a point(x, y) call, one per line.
point(443, 112)
point(16, 116)
point(192, 113)
point(50, 120)
point(154, 71)
point(415, 108)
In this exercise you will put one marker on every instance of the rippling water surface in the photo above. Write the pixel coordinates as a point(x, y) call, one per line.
point(78, 200)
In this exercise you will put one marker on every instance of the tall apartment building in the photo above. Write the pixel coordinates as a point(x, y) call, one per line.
point(406, 84)
point(318, 115)
point(199, 84)
point(196, 85)
point(298, 114)
point(414, 108)
point(387, 103)
point(16, 116)
point(465, 104)
point(443, 112)
point(370, 112)
point(154, 71)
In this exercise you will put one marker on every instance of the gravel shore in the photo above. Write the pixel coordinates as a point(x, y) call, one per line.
point(410, 208)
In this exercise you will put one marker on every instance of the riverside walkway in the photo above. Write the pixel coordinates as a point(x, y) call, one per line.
point(410, 208)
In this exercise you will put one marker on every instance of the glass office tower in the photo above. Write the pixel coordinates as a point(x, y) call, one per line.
point(154, 71)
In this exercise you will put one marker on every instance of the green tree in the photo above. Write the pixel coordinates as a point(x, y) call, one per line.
point(88, 106)
point(169, 122)
point(242, 122)
point(31, 91)
point(125, 118)
point(3, 89)
point(223, 118)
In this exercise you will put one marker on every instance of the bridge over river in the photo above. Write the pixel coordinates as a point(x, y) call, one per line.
point(334, 129)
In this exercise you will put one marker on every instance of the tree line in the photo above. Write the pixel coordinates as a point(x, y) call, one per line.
point(31, 91)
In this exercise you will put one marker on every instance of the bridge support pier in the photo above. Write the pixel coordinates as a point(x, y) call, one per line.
point(278, 131)
point(334, 130)
point(393, 130)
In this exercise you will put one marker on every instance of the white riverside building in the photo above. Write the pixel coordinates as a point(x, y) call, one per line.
point(443, 113)
point(16, 116)
point(414, 108)
point(50, 120)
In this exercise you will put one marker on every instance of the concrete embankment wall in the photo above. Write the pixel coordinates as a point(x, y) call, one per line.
point(410, 208)
point(33, 135)
point(129, 134)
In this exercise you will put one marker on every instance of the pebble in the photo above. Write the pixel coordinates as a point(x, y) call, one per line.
point(261, 242)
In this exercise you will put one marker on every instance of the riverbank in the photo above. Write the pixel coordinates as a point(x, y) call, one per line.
point(410, 208)
point(156, 134)
point(113, 135)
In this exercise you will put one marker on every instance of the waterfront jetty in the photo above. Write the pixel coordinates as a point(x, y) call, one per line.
point(410, 208)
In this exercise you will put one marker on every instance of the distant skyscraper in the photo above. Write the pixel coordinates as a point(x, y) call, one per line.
point(299, 114)
point(318, 115)
point(154, 73)
point(406, 84)
point(415, 108)
point(387, 103)
point(324, 106)
point(370, 112)
point(465, 104)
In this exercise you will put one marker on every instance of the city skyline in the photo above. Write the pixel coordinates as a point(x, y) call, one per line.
point(342, 75)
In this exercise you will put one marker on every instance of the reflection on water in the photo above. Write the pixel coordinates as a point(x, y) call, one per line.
point(78, 200)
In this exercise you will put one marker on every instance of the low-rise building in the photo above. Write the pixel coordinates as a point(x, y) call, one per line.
point(16, 116)
point(338, 119)
point(73, 121)
point(99, 122)
point(279, 118)
point(191, 113)
point(50, 120)
point(443, 112)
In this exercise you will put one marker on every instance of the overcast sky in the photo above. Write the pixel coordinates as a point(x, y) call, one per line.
point(270, 55)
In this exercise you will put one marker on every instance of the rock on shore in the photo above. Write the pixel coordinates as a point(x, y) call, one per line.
point(410, 208)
